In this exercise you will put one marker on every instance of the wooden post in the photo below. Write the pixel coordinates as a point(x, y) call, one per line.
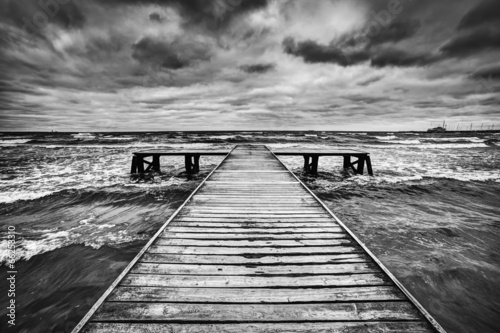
point(361, 165)
point(314, 165)
point(369, 165)
point(156, 163)
point(196, 163)
point(188, 163)
point(347, 161)
point(133, 169)
point(140, 164)
point(306, 163)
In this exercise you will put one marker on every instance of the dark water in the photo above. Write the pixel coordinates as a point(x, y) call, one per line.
point(431, 214)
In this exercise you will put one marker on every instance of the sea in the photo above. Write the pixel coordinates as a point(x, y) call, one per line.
point(430, 213)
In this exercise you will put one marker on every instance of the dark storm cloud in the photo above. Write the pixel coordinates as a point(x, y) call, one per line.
point(170, 55)
point(399, 58)
point(358, 47)
point(483, 39)
point(202, 13)
point(155, 17)
point(34, 15)
point(257, 68)
point(313, 52)
point(492, 72)
point(487, 12)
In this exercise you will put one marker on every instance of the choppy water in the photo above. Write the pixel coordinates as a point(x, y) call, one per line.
point(431, 214)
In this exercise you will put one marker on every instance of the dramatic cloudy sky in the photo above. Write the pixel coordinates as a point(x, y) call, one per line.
point(112, 65)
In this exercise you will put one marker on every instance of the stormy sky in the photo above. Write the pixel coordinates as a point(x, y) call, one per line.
point(117, 65)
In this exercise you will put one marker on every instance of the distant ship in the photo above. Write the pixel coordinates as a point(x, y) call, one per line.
point(439, 129)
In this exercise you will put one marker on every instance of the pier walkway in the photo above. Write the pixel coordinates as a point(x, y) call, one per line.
point(253, 250)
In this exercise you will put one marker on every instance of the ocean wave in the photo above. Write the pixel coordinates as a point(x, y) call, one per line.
point(389, 137)
point(93, 235)
point(419, 145)
point(453, 140)
point(13, 142)
point(403, 142)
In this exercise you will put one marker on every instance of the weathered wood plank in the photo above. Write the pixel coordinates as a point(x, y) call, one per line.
point(214, 281)
point(165, 312)
point(246, 226)
point(256, 295)
point(227, 270)
point(259, 236)
point(283, 243)
point(253, 250)
point(310, 327)
point(248, 219)
point(254, 260)
point(251, 211)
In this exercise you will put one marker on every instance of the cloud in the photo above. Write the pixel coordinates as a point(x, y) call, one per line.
point(491, 72)
point(156, 17)
point(313, 52)
point(400, 58)
point(34, 16)
point(213, 15)
point(171, 55)
point(359, 46)
point(486, 12)
point(480, 40)
point(257, 68)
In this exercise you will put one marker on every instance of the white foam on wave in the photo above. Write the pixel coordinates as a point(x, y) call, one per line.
point(388, 137)
point(14, 142)
point(90, 234)
point(420, 145)
point(456, 139)
point(403, 142)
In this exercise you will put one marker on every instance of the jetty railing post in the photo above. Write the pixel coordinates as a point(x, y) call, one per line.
point(140, 164)
point(196, 163)
point(133, 168)
point(156, 163)
point(306, 163)
point(369, 165)
point(347, 161)
point(361, 165)
point(314, 164)
point(188, 163)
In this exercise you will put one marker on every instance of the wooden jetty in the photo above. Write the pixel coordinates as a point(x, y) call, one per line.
point(254, 250)
point(311, 159)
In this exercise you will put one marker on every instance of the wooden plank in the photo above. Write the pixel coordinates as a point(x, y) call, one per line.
point(261, 228)
point(214, 281)
point(255, 260)
point(252, 243)
point(178, 312)
point(251, 210)
point(310, 327)
point(255, 295)
point(248, 220)
point(259, 236)
point(231, 270)
point(252, 250)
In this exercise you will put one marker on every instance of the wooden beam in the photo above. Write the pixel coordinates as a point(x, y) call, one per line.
point(188, 163)
point(133, 168)
point(369, 165)
point(156, 163)
point(361, 165)
point(140, 164)
point(306, 163)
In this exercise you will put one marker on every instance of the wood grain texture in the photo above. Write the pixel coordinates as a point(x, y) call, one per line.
point(254, 252)
point(310, 327)
point(178, 312)
point(255, 295)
